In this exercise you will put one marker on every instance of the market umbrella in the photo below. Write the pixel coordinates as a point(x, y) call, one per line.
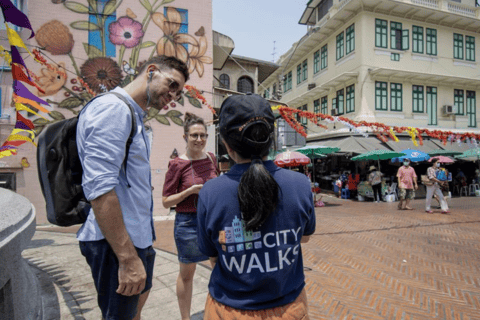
point(291, 159)
point(442, 152)
point(471, 153)
point(316, 151)
point(378, 155)
point(442, 159)
point(413, 155)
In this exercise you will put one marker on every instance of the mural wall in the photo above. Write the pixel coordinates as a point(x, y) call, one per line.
point(92, 46)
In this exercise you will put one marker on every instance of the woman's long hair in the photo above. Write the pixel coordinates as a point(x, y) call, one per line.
point(258, 190)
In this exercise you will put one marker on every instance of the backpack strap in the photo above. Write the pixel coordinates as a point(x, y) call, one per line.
point(132, 132)
point(214, 163)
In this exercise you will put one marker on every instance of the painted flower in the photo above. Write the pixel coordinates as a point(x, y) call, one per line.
point(55, 37)
point(101, 74)
point(171, 42)
point(197, 58)
point(125, 31)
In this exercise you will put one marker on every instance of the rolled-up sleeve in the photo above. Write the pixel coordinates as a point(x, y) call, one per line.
point(103, 130)
point(172, 179)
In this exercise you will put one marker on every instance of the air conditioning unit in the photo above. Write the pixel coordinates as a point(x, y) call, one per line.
point(311, 85)
point(334, 112)
point(449, 109)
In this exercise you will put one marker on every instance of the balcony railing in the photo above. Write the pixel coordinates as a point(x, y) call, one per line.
point(464, 11)
point(427, 3)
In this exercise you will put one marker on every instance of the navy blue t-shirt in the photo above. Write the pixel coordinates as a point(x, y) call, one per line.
point(264, 268)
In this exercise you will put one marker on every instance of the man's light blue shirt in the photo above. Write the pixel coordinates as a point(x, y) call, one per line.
point(102, 131)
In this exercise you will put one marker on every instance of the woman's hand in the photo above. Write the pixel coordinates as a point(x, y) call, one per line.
point(195, 189)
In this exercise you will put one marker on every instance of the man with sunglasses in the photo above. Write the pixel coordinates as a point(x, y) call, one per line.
point(117, 237)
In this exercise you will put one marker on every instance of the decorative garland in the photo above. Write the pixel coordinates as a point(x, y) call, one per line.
point(382, 131)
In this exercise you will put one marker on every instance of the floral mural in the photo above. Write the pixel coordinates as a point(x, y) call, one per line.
point(103, 68)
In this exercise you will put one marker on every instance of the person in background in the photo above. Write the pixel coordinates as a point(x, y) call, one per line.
point(407, 183)
point(254, 276)
point(435, 188)
point(184, 179)
point(375, 179)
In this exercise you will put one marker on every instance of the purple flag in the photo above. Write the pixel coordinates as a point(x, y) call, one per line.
point(15, 16)
point(22, 91)
point(17, 58)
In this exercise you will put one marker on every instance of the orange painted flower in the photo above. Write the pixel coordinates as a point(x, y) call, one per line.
point(197, 58)
point(171, 42)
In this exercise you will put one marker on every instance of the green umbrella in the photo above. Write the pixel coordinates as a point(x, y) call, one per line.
point(442, 152)
point(471, 153)
point(378, 155)
point(315, 152)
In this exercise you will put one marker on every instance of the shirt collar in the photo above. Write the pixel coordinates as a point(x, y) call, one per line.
point(135, 105)
point(239, 169)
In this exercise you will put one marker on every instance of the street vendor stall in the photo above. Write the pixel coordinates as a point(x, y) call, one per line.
point(364, 189)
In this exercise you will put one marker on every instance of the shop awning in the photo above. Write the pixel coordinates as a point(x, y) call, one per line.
point(352, 144)
point(454, 146)
point(406, 143)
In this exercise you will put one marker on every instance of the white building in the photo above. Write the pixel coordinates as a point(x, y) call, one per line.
point(398, 62)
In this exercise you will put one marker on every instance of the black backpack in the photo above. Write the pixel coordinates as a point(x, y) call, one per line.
point(60, 170)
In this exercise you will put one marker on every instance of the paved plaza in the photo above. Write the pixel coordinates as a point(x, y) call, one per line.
point(365, 261)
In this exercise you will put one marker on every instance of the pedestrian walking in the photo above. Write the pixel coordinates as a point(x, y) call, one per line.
point(407, 183)
point(375, 179)
point(252, 220)
point(184, 179)
point(117, 237)
point(435, 188)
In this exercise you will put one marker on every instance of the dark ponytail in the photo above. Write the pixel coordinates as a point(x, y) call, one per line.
point(258, 190)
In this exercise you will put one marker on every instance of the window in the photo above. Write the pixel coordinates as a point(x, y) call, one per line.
point(303, 120)
point(351, 98)
point(324, 105)
point(245, 85)
point(274, 91)
point(304, 70)
point(398, 37)
point(316, 106)
point(266, 93)
point(432, 105)
point(350, 45)
point(471, 109)
point(225, 81)
point(316, 62)
point(95, 39)
point(381, 33)
point(340, 46)
point(395, 56)
point(459, 100)
point(396, 103)
point(417, 99)
point(469, 48)
point(340, 101)
point(457, 46)
point(299, 73)
point(381, 96)
point(334, 105)
point(417, 39)
point(287, 82)
point(324, 60)
point(432, 41)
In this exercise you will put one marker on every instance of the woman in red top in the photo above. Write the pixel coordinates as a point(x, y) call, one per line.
point(184, 179)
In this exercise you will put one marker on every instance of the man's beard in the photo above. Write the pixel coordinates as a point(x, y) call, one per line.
point(155, 100)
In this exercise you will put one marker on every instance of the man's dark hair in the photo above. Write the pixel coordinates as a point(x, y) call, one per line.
point(165, 63)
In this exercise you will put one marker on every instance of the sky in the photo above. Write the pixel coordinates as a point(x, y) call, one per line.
point(254, 25)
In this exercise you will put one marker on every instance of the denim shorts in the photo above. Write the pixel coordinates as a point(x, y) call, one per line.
point(104, 265)
point(185, 233)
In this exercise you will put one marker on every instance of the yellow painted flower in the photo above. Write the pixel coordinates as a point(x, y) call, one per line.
point(197, 58)
point(171, 42)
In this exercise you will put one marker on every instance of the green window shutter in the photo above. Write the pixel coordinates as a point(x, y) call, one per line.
point(396, 103)
point(470, 48)
point(340, 46)
point(471, 109)
point(417, 39)
point(351, 98)
point(316, 106)
point(381, 33)
point(405, 39)
point(304, 70)
point(458, 101)
point(299, 74)
point(432, 105)
point(417, 99)
point(316, 62)
point(324, 105)
point(432, 42)
point(381, 96)
point(396, 35)
point(340, 101)
point(457, 46)
point(350, 39)
point(324, 57)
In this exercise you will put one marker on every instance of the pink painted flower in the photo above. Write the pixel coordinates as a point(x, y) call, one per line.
point(125, 31)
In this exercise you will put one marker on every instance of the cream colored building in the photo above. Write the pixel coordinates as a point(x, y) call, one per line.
point(403, 63)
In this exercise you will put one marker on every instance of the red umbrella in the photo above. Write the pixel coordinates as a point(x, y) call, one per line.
point(291, 159)
point(442, 159)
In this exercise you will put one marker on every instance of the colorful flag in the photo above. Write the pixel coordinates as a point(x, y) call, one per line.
point(25, 122)
point(15, 16)
point(17, 58)
point(19, 75)
point(22, 107)
point(22, 91)
point(6, 55)
point(15, 39)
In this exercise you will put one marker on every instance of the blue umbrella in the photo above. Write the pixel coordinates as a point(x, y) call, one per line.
point(413, 155)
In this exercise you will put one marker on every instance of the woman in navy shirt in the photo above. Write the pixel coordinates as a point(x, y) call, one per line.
point(251, 222)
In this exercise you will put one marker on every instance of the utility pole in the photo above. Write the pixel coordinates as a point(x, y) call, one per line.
point(274, 52)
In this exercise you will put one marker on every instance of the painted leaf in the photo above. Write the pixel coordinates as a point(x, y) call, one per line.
point(194, 102)
point(147, 44)
point(93, 5)
point(40, 122)
point(177, 121)
point(162, 119)
point(38, 130)
point(84, 25)
point(146, 4)
point(174, 114)
point(152, 112)
point(187, 94)
point(75, 7)
point(166, 1)
point(56, 115)
point(181, 100)
point(111, 6)
point(92, 51)
point(70, 103)
point(86, 96)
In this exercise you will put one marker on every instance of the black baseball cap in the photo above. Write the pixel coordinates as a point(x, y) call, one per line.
point(238, 113)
